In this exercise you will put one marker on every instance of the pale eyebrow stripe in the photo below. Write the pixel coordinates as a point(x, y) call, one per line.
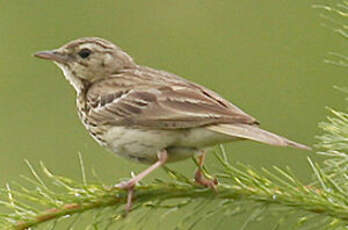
point(98, 42)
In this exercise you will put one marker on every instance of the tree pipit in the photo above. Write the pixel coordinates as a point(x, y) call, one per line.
point(148, 115)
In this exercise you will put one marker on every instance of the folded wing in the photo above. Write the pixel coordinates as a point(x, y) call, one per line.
point(158, 105)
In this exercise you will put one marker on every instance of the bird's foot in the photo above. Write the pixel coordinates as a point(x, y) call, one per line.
point(204, 181)
point(128, 186)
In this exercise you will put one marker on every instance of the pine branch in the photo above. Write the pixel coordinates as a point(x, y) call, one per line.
point(242, 183)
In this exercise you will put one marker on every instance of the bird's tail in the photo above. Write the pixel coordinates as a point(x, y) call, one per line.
point(256, 134)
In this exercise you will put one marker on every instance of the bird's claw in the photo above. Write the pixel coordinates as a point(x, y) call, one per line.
point(202, 180)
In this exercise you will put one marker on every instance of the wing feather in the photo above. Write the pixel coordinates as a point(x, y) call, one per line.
point(154, 102)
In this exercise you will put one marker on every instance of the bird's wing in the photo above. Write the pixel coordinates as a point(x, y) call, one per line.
point(124, 100)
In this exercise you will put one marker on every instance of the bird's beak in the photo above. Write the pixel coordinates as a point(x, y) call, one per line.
point(52, 55)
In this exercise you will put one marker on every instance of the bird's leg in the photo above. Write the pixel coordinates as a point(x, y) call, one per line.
point(130, 184)
point(199, 176)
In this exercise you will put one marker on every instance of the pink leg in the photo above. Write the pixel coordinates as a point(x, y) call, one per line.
point(200, 178)
point(129, 185)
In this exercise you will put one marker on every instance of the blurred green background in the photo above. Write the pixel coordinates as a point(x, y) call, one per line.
point(266, 57)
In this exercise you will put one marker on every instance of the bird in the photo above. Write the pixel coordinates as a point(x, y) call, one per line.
point(147, 115)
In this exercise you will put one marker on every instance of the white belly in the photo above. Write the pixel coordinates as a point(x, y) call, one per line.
point(138, 144)
point(143, 145)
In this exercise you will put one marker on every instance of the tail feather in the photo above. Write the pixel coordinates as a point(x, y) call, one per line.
point(256, 134)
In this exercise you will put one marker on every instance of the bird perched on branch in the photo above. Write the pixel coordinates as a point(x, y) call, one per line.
point(149, 115)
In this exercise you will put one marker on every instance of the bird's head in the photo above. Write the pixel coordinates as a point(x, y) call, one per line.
point(87, 60)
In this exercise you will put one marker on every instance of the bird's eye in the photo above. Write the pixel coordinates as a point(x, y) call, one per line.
point(84, 53)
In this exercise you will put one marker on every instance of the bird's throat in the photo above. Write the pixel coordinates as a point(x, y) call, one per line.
point(75, 81)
